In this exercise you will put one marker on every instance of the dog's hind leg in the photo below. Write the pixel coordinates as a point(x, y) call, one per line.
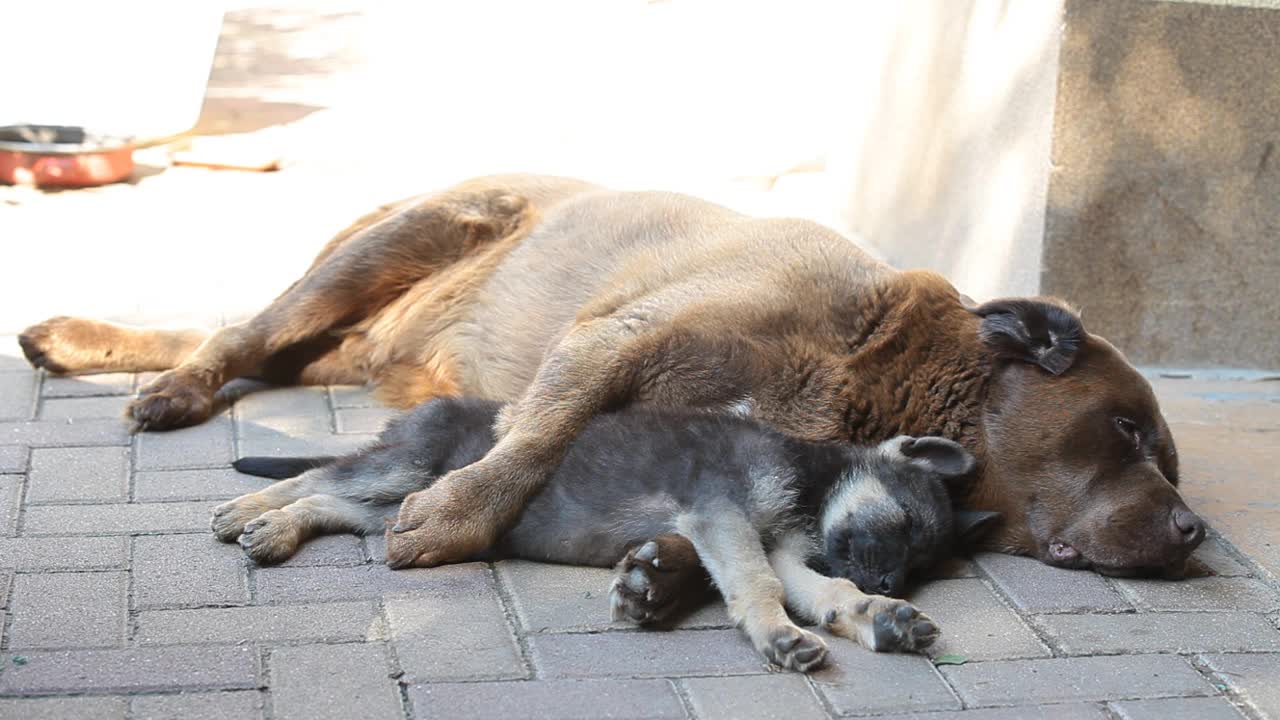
point(876, 622)
point(352, 282)
point(732, 552)
point(71, 345)
point(277, 534)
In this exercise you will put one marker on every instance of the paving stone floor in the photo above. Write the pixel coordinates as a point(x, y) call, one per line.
point(116, 602)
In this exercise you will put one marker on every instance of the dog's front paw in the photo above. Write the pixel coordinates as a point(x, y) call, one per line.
point(270, 538)
point(173, 400)
point(792, 648)
point(882, 624)
point(451, 521)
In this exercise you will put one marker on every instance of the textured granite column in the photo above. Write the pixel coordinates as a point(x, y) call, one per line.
point(1163, 221)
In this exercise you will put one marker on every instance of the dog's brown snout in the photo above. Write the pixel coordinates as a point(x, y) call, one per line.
point(1188, 528)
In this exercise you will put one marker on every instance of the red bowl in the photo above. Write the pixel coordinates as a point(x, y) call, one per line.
point(59, 156)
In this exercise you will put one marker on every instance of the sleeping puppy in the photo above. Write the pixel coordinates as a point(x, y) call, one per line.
point(760, 509)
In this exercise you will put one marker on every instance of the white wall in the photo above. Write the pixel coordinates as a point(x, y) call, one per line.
point(923, 126)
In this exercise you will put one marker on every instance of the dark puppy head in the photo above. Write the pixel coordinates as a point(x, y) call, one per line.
point(890, 513)
point(1079, 459)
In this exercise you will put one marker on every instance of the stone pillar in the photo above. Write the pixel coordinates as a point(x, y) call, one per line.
point(1163, 217)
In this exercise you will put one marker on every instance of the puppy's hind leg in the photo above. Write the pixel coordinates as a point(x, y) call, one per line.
point(732, 552)
point(277, 534)
point(876, 622)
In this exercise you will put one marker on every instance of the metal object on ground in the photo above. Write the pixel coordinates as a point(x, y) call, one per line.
point(62, 156)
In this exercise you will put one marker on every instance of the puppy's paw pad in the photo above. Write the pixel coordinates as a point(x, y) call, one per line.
point(795, 649)
point(637, 593)
point(898, 626)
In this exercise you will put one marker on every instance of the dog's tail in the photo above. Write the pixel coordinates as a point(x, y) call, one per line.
point(279, 468)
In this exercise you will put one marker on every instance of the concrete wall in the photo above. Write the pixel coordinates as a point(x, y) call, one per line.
point(1164, 206)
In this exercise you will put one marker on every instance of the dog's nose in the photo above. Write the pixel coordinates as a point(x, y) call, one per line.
point(886, 584)
point(1188, 527)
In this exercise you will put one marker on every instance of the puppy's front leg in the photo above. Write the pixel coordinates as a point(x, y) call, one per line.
point(730, 549)
point(876, 622)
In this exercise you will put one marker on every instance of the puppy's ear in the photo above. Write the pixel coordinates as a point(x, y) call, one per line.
point(1034, 331)
point(948, 459)
point(971, 525)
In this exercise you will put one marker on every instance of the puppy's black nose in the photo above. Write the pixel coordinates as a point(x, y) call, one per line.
point(1188, 527)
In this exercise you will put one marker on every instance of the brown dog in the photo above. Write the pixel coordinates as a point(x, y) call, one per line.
point(572, 299)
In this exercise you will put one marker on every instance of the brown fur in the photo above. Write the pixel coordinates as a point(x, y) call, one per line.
point(570, 299)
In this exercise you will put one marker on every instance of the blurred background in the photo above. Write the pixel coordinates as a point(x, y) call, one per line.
point(1118, 153)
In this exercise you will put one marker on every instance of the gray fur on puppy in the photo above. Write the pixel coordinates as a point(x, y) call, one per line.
point(761, 509)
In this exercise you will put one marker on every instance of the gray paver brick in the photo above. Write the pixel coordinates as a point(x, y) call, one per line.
point(362, 420)
point(259, 442)
point(1214, 556)
point(645, 654)
point(65, 433)
point(563, 598)
point(198, 484)
point(357, 683)
point(13, 459)
point(352, 396)
point(68, 610)
point(284, 421)
point(288, 409)
point(238, 704)
point(6, 578)
point(10, 497)
point(952, 568)
point(453, 636)
point(1066, 711)
point(187, 570)
point(314, 584)
point(333, 622)
point(1202, 708)
point(1208, 593)
point(1035, 587)
point(1254, 677)
point(90, 473)
point(858, 681)
point(975, 623)
point(548, 700)
point(63, 708)
point(81, 408)
point(1161, 632)
point(116, 519)
point(785, 696)
point(88, 385)
point(134, 670)
point(1051, 680)
point(328, 550)
point(18, 394)
point(205, 445)
point(64, 553)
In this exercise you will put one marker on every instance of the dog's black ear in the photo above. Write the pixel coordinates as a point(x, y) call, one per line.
point(1034, 331)
point(971, 525)
point(948, 459)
